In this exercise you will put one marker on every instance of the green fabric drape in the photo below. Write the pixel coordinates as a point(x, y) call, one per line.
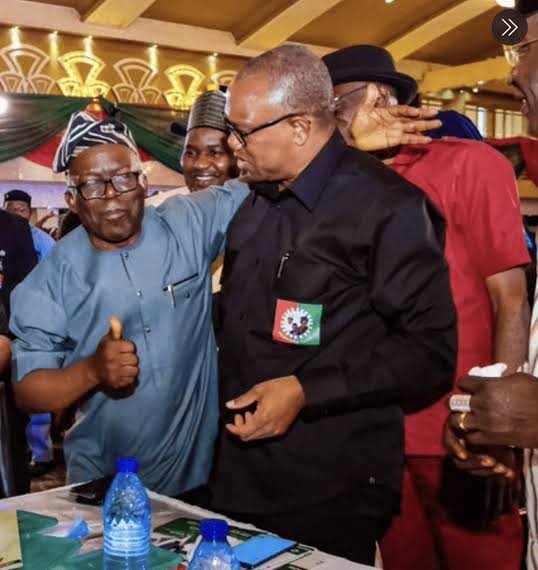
point(32, 120)
point(151, 129)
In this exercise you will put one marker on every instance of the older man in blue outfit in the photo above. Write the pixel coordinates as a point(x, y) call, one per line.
point(117, 319)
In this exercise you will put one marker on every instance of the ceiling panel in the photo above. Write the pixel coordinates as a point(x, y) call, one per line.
point(81, 5)
point(217, 14)
point(470, 42)
point(369, 21)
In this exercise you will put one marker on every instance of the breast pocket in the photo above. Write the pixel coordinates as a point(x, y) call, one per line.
point(182, 289)
point(300, 279)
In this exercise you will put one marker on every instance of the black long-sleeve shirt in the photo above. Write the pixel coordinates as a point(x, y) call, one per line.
point(17, 254)
point(4, 329)
point(351, 241)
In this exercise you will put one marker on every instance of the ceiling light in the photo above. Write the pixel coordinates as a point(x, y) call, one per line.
point(506, 3)
point(15, 34)
point(480, 82)
point(389, 1)
point(462, 90)
point(475, 90)
point(4, 105)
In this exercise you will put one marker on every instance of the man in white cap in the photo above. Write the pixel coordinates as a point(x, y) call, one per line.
point(146, 385)
point(207, 159)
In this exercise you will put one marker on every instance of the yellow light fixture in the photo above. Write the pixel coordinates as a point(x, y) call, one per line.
point(154, 57)
point(506, 3)
point(53, 39)
point(389, 1)
point(15, 34)
point(88, 48)
point(212, 63)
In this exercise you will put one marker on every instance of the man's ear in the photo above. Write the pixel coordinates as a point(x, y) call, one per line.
point(143, 181)
point(71, 201)
point(385, 96)
point(302, 127)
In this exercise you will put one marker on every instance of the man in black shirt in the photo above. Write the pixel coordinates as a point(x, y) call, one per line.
point(336, 314)
point(17, 254)
point(17, 259)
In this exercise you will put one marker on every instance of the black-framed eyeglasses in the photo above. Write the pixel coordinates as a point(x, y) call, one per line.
point(96, 189)
point(513, 54)
point(339, 98)
point(241, 134)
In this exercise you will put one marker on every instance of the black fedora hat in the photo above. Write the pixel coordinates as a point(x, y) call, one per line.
point(370, 63)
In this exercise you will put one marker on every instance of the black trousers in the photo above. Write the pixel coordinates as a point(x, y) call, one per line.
point(347, 526)
point(14, 472)
point(199, 497)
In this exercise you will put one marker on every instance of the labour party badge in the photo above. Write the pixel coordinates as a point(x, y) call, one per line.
point(297, 323)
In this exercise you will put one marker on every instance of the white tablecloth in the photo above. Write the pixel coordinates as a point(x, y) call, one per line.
point(57, 503)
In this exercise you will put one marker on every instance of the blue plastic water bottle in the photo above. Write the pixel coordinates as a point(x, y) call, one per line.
point(214, 552)
point(127, 520)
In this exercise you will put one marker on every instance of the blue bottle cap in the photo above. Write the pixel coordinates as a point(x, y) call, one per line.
point(214, 529)
point(127, 465)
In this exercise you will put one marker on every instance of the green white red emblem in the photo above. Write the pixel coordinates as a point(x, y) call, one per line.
point(297, 323)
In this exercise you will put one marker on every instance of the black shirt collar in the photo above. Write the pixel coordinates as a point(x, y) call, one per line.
point(309, 185)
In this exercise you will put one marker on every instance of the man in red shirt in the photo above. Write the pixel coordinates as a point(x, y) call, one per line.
point(474, 187)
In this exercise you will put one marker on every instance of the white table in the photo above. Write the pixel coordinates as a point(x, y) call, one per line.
point(57, 503)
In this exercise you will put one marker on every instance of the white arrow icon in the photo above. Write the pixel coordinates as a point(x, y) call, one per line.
point(509, 30)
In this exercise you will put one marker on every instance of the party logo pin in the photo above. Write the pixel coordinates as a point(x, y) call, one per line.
point(297, 323)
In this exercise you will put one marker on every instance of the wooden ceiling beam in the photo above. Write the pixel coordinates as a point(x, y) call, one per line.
point(437, 26)
point(115, 13)
point(492, 69)
point(30, 14)
point(281, 24)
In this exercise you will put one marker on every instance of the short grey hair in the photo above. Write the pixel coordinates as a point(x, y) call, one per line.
point(297, 74)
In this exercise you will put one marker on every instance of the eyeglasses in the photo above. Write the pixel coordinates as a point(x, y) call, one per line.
point(514, 54)
point(241, 135)
point(339, 98)
point(96, 189)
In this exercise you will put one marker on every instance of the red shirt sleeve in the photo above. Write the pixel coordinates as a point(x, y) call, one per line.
point(494, 220)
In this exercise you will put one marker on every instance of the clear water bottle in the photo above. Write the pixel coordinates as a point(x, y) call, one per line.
point(127, 520)
point(214, 552)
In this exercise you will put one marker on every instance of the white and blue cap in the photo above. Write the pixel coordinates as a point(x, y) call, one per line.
point(85, 131)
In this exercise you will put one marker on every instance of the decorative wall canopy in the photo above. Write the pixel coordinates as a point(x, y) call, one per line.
point(38, 62)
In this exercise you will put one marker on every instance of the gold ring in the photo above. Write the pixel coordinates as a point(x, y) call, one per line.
point(461, 422)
